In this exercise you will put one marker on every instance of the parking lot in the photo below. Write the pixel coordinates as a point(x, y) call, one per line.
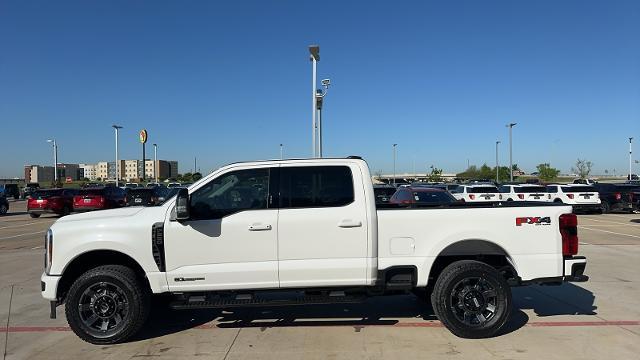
point(593, 320)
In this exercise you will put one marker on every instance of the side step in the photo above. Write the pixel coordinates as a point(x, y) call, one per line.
point(249, 300)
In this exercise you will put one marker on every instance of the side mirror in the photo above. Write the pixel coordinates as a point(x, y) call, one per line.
point(182, 205)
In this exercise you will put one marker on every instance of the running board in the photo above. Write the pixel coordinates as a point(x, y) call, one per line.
point(247, 300)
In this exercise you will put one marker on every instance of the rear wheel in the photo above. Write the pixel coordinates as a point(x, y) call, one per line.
point(3, 209)
point(34, 215)
point(472, 299)
point(605, 207)
point(107, 305)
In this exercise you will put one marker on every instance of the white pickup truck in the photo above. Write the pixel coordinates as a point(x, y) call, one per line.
point(291, 232)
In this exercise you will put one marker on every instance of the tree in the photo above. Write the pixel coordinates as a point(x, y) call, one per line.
point(515, 167)
point(546, 172)
point(196, 176)
point(436, 175)
point(582, 168)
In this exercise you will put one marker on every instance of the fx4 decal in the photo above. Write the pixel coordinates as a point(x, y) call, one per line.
point(533, 221)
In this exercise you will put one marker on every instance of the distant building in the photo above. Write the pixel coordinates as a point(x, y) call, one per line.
point(89, 171)
point(130, 170)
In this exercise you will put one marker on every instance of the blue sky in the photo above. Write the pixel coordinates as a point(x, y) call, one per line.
point(229, 81)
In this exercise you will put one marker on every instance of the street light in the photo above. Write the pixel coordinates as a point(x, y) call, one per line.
point(155, 161)
point(394, 164)
point(497, 164)
point(281, 152)
point(314, 51)
point(55, 160)
point(319, 102)
point(510, 126)
point(630, 170)
point(116, 127)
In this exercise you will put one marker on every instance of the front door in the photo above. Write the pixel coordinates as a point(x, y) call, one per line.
point(231, 241)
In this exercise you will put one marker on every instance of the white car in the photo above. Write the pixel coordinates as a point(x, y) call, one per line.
point(580, 197)
point(524, 192)
point(477, 193)
point(291, 232)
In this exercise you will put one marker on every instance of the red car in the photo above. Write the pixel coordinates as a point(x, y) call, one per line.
point(421, 196)
point(107, 197)
point(52, 201)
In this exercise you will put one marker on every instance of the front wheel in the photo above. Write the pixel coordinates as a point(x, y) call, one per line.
point(107, 305)
point(472, 299)
point(3, 209)
point(33, 216)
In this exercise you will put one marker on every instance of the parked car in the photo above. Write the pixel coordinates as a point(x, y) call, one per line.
point(51, 201)
point(383, 193)
point(10, 191)
point(582, 198)
point(4, 204)
point(145, 196)
point(421, 196)
point(314, 237)
point(515, 192)
point(29, 189)
point(107, 197)
point(476, 193)
point(447, 187)
point(617, 197)
point(585, 181)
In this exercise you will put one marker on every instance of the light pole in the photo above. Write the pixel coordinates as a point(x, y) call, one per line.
point(319, 102)
point(55, 159)
point(394, 164)
point(116, 127)
point(314, 51)
point(510, 126)
point(497, 164)
point(630, 171)
point(155, 161)
point(281, 152)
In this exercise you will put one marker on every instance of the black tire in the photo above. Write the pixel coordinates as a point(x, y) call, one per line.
point(33, 216)
point(103, 295)
point(3, 209)
point(605, 207)
point(472, 299)
point(65, 211)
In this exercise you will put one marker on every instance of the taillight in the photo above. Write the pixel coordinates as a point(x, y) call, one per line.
point(569, 232)
point(472, 197)
point(618, 196)
point(570, 196)
point(521, 196)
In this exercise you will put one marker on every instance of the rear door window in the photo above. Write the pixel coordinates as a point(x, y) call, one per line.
point(482, 190)
point(530, 189)
point(315, 186)
point(576, 189)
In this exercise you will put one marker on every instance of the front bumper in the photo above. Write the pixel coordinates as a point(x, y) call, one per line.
point(49, 286)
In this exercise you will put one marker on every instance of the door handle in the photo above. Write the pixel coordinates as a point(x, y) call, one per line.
point(348, 223)
point(259, 227)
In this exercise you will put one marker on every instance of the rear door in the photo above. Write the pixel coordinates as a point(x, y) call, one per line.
point(322, 226)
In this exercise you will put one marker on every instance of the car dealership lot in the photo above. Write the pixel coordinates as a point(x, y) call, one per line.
point(592, 320)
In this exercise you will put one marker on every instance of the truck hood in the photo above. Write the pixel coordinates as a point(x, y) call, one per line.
point(103, 214)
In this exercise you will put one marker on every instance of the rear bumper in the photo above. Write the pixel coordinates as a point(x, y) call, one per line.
point(43, 211)
point(574, 267)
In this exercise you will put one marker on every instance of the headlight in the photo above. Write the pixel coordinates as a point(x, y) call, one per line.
point(48, 250)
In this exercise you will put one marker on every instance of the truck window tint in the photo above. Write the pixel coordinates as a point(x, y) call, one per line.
point(230, 193)
point(315, 186)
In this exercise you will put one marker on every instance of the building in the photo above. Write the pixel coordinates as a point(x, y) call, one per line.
point(102, 172)
point(40, 174)
point(89, 171)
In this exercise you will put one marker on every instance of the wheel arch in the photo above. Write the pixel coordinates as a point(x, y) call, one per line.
point(92, 259)
point(474, 249)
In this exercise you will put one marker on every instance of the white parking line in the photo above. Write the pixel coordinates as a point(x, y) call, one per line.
point(19, 235)
point(622, 216)
point(37, 247)
point(612, 222)
point(609, 232)
point(15, 226)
